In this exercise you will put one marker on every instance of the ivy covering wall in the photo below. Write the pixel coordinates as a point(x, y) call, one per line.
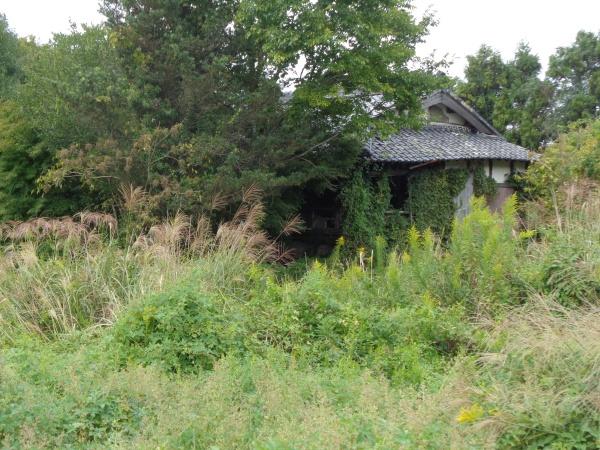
point(483, 184)
point(431, 196)
point(431, 193)
point(365, 203)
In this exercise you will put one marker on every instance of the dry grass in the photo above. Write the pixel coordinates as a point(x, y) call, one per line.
point(241, 237)
point(84, 278)
point(573, 205)
point(548, 371)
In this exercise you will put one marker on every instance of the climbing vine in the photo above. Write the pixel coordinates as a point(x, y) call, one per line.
point(365, 203)
point(431, 204)
point(431, 196)
point(483, 185)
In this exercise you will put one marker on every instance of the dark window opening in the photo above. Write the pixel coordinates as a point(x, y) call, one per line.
point(399, 191)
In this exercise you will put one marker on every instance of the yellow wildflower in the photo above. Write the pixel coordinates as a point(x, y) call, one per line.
point(470, 414)
point(405, 257)
point(527, 234)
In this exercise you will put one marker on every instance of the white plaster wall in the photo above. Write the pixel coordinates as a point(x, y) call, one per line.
point(500, 170)
point(439, 113)
point(463, 200)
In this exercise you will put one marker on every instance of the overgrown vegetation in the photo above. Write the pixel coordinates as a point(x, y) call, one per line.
point(190, 100)
point(167, 319)
point(575, 155)
point(186, 339)
point(483, 184)
point(527, 109)
point(365, 203)
point(431, 196)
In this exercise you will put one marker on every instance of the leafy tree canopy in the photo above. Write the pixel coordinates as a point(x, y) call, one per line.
point(528, 110)
point(9, 50)
point(575, 73)
point(198, 99)
point(485, 75)
point(510, 94)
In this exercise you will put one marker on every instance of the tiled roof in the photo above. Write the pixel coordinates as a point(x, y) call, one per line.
point(438, 142)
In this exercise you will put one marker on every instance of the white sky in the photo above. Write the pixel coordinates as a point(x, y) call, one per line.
point(545, 24)
point(463, 24)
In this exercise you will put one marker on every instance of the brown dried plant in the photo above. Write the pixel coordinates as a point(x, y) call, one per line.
point(132, 198)
point(95, 220)
point(83, 227)
point(242, 235)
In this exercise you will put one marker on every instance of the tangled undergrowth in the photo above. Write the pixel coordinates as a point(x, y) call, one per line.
point(188, 338)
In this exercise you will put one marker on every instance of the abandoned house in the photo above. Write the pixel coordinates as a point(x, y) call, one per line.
point(456, 136)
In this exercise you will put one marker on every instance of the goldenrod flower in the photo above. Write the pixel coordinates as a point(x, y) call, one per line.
point(405, 257)
point(470, 414)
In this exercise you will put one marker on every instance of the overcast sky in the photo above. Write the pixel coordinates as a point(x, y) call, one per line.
point(463, 24)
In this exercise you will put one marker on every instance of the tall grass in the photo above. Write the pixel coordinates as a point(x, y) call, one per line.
point(487, 341)
point(67, 274)
point(535, 386)
point(543, 385)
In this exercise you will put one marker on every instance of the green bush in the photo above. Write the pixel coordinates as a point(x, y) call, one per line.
point(41, 406)
point(323, 319)
point(186, 327)
point(575, 155)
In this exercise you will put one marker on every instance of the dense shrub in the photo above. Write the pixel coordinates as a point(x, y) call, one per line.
point(182, 328)
point(323, 319)
point(575, 155)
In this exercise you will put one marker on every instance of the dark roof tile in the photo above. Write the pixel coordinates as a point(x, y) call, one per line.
point(437, 142)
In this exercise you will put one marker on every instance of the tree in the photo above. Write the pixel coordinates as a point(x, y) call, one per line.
point(575, 73)
point(194, 99)
point(524, 103)
point(510, 95)
point(24, 157)
point(9, 49)
point(485, 77)
point(69, 92)
point(80, 77)
point(210, 75)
